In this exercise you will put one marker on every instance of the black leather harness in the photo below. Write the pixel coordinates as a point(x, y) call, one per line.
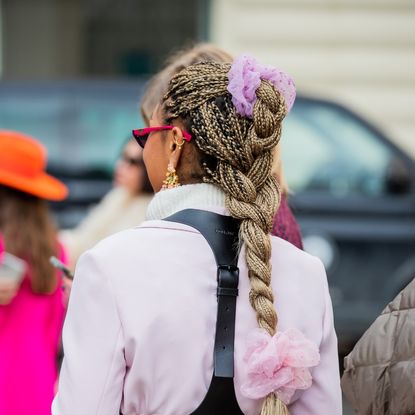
point(222, 234)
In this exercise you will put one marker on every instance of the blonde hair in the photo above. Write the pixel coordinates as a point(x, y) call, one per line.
point(237, 154)
point(158, 85)
point(278, 171)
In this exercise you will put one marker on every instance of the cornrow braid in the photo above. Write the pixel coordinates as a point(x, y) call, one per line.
point(184, 92)
point(243, 151)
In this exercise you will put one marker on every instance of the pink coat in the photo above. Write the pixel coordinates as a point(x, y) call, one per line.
point(140, 326)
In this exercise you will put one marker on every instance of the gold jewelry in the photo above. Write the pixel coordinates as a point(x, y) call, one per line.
point(172, 179)
point(180, 145)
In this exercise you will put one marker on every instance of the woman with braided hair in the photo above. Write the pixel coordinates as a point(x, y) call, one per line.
point(199, 310)
point(284, 223)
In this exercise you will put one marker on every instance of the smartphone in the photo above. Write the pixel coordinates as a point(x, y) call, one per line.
point(12, 268)
point(61, 266)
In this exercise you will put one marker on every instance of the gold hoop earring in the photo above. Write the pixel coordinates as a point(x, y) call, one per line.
point(180, 145)
point(172, 179)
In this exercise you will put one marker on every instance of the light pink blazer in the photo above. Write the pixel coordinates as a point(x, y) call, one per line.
point(140, 327)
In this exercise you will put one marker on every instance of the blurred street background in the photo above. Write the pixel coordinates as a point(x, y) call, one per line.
point(72, 73)
point(360, 52)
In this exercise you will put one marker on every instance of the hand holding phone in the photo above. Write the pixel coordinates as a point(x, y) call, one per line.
point(12, 270)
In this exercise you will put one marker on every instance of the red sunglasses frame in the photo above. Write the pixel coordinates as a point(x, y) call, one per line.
point(141, 134)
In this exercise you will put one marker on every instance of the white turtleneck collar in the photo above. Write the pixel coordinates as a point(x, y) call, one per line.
point(192, 196)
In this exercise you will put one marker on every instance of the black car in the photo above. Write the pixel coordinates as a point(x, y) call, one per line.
point(353, 193)
point(352, 189)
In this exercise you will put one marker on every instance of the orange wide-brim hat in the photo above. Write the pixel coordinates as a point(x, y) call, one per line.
point(23, 164)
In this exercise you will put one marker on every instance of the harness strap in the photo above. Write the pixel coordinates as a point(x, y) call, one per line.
point(222, 234)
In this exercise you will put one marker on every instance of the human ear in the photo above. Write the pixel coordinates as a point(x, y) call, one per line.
point(176, 144)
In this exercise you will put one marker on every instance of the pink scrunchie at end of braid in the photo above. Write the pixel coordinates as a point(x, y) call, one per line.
point(245, 77)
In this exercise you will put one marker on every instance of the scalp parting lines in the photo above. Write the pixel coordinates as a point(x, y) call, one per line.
point(195, 85)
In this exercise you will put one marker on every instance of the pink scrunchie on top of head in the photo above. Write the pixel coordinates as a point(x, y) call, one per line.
point(245, 77)
point(278, 364)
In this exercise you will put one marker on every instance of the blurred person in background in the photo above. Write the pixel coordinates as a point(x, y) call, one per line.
point(140, 329)
point(122, 208)
point(32, 304)
point(284, 225)
point(379, 375)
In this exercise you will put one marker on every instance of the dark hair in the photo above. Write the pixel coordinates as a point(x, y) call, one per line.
point(29, 233)
point(146, 187)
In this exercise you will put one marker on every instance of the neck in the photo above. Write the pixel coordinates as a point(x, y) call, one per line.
point(192, 196)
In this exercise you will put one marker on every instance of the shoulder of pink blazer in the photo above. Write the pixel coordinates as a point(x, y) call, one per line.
point(147, 240)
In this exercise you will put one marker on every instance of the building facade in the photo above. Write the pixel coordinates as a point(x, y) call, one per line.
point(358, 52)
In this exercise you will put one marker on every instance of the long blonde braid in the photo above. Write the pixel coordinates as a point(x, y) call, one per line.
point(242, 150)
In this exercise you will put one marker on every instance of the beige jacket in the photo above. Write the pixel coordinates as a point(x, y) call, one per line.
point(379, 375)
point(117, 211)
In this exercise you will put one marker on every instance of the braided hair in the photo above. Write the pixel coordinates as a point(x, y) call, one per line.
point(236, 154)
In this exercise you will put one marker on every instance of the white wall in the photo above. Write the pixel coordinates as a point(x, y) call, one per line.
point(359, 52)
